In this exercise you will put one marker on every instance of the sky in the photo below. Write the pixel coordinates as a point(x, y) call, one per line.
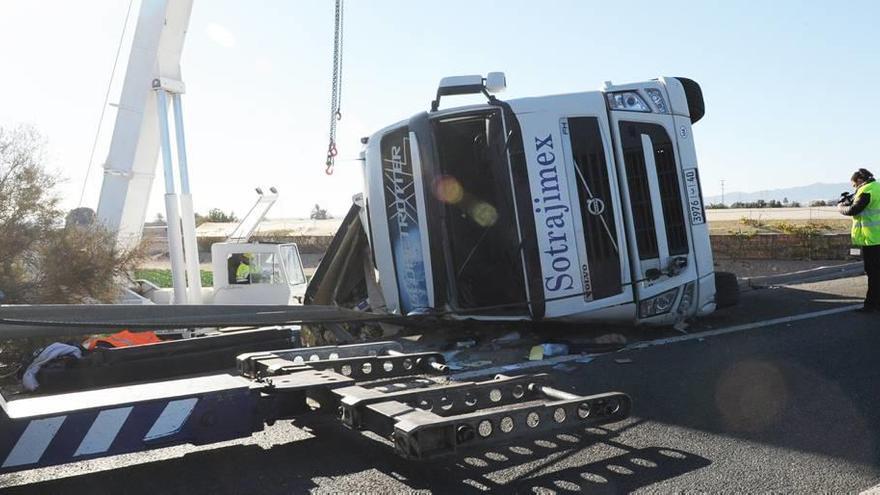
point(790, 86)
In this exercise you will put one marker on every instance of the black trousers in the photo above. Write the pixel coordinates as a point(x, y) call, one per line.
point(871, 256)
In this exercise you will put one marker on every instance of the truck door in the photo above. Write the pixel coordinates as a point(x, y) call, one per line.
point(577, 205)
point(652, 188)
point(293, 269)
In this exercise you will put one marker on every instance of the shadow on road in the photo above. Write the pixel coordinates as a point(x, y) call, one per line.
point(339, 461)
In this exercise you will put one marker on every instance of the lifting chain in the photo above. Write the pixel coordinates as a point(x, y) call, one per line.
point(336, 91)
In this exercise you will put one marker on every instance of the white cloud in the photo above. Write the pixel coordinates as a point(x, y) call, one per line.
point(220, 35)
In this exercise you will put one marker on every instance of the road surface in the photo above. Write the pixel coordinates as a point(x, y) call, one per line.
point(780, 395)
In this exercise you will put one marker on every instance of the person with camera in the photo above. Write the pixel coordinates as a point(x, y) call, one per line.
point(864, 208)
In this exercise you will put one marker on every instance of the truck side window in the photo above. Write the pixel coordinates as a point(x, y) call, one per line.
point(640, 195)
point(293, 264)
point(265, 269)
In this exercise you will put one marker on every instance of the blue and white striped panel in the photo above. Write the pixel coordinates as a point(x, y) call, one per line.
point(103, 431)
point(172, 419)
point(33, 441)
point(75, 436)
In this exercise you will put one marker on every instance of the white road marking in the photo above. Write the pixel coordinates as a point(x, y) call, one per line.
point(874, 490)
point(743, 327)
point(103, 431)
point(33, 441)
point(651, 343)
point(171, 419)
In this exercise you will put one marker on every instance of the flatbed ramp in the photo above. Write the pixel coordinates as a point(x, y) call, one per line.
point(376, 387)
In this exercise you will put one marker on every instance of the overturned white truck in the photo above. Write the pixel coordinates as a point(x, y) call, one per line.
point(574, 207)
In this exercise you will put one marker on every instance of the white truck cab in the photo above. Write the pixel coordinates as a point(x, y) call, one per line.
point(584, 206)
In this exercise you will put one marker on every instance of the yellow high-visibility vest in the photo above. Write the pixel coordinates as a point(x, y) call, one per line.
point(242, 273)
point(866, 225)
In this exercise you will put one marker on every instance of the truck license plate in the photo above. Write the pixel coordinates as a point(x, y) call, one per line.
point(695, 198)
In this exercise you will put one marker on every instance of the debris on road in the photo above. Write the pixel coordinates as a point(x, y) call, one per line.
point(506, 338)
point(542, 351)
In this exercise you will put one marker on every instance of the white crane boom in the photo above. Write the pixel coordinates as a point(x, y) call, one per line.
point(134, 149)
point(153, 84)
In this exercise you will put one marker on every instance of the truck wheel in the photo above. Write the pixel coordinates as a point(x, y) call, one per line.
point(726, 289)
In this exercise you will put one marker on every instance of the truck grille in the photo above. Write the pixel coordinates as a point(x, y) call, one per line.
point(597, 209)
point(640, 194)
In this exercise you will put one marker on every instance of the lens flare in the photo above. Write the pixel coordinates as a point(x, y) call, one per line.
point(484, 214)
point(448, 190)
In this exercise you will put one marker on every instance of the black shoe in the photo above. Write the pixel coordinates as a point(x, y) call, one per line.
point(868, 309)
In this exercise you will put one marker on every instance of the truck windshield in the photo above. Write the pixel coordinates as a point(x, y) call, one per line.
point(474, 185)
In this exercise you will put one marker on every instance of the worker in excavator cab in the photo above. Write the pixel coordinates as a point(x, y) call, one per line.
point(240, 268)
point(864, 208)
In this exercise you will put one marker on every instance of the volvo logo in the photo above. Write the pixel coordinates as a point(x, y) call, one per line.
point(595, 206)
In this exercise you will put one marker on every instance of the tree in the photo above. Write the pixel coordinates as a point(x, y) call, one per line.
point(41, 259)
point(216, 215)
point(158, 220)
point(80, 264)
point(319, 213)
point(28, 208)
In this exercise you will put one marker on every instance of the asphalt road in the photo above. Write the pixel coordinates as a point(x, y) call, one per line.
point(790, 407)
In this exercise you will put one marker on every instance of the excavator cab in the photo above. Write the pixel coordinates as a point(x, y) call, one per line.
point(275, 273)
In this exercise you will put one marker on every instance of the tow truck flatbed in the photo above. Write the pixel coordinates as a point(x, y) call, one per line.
point(372, 387)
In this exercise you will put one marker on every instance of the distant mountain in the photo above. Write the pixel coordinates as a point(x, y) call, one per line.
point(801, 194)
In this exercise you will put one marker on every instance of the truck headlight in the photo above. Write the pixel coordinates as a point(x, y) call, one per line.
point(627, 100)
point(657, 97)
point(659, 304)
point(687, 298)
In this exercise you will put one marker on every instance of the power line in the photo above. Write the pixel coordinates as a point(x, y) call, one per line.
point(104, 106)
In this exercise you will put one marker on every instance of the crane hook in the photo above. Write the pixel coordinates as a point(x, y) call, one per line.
point(331, 158)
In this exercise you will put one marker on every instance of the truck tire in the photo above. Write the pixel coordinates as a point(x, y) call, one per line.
point(726, 289)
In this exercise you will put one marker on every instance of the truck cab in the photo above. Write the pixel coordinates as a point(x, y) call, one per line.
point(577, 207)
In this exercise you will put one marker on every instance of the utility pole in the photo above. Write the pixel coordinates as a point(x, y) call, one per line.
point(722, 191)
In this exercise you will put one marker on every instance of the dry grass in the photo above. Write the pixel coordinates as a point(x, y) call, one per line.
point(752, 226)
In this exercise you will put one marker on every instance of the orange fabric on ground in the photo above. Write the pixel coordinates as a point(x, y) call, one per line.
point(124, 338)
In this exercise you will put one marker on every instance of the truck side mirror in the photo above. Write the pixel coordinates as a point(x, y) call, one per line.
point(677, 265)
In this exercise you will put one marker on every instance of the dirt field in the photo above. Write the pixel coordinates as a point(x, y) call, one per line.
point(803, 214)
point(822, 220)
